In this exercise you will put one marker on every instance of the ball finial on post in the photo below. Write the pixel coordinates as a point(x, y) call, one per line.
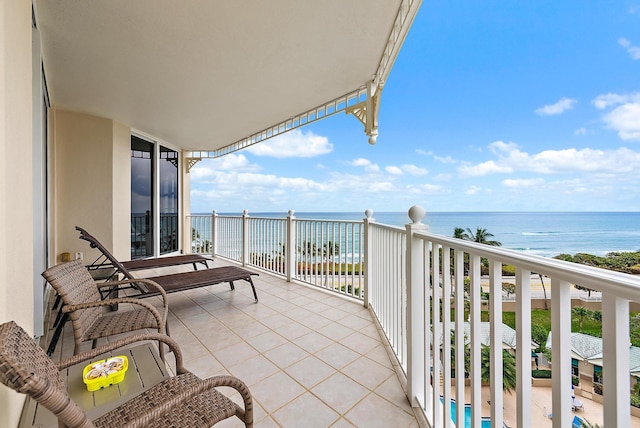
point(416, 214)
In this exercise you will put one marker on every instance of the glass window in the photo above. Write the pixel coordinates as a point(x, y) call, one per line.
point(141, 198)
point(168, 166)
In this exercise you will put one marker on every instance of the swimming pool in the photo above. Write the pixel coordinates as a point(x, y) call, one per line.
point(486, 422)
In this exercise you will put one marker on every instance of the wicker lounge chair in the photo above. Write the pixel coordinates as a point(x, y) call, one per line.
point(178, 281)
point(180, 401)
point(85, 306)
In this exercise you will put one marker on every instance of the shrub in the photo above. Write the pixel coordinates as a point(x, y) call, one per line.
point(635, 400)
point(508, 270)
point(575, 380)
point(597, 388)
point(541, 374)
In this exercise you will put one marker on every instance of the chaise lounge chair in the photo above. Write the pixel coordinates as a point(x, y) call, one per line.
point(85, 306)
point(183, 400)
point(102, 263)
point(177, 281)
point(576, 404)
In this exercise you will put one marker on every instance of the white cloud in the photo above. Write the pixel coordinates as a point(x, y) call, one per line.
point(472, 190)
point(511, 159)
point(445, 160)
point(626, 120)
point(208, 168)
point(523, 182)
point(423, 152)
point(604, 101)
point(580, 131)
point(484, 168)
point(427, 189)
point(293, 144)
point(360, 162)
point(394, 170)
point(559, 107)
point(634, 51)
point(366, 163)
point(625, 117)
point(414, 170)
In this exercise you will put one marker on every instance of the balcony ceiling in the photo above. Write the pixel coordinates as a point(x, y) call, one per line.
point(204, 74)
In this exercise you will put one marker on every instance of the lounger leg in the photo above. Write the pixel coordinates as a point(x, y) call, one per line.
point(56, 334)
point(231, 285)
point(253, 287)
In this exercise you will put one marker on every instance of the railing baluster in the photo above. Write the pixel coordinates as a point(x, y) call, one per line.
point(561, 351)
point(523, 341)
point(476, 392)
point(459, 333)
point(437, 333)
point(446, 332)
point(495, 318)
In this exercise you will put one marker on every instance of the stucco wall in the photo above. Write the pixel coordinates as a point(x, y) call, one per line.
point(16, 201)
point(92, 183)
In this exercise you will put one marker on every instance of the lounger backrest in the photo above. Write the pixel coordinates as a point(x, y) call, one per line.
point(73, 282)
point(94, 243)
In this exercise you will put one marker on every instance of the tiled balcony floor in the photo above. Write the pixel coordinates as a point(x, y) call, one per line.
point(310, 358)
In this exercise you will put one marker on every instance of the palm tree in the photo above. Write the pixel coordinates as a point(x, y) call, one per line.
point(581, 312)
point(458, 232)
point(544, 289)
point(481, 236)
point(509, 378)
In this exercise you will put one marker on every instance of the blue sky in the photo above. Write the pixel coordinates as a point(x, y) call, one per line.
point(490, 106)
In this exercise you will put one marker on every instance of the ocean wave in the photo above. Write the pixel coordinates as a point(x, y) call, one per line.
point(542, 233)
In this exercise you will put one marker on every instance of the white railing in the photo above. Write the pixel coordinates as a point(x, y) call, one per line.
point(414, 283)
point(324, 253)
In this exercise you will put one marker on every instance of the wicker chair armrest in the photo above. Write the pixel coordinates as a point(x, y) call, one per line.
point(149, 282)
point(187, 394)
point(161, 319)
point(140, 337)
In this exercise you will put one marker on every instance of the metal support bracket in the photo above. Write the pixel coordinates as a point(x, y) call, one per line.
point(191, 162)
point(367, 111)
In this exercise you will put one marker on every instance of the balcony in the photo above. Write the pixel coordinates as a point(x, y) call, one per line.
point(344, 331)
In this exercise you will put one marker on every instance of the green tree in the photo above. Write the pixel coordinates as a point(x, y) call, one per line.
point(581, 313)
point(458, 232)
point(509, 377)
point(539, 335)
point(544, 289)
point(481, 236)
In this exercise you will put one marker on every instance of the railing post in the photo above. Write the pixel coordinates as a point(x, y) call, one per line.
point(367, 253)
point(615, 373)
point(290, 247)
point(245, 237)
point(416, 304)
point(561, 351)
point(214, 233)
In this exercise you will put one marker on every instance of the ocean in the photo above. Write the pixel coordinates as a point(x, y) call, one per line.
point(541, 233)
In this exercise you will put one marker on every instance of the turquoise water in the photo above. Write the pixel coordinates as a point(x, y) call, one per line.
point(540, 233)
point(486, 423)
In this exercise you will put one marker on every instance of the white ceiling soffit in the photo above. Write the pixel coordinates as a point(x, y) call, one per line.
point(203, 75)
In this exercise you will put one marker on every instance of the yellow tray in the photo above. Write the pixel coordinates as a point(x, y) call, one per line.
point(101, 368)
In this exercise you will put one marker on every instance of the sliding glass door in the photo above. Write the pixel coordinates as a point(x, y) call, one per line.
point(154, 199)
